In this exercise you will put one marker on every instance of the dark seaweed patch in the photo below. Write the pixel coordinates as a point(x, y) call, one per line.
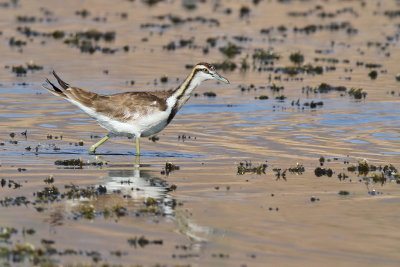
point(333, 26)
point(298, 169)
point(297, 58)
point(306, 69)
point(209, 94)
point(357, 93)
point(230, 50)
point(170, 167)
point(322, 171)
point(143, 241)
point(226, 65)
point(77, 163)
point(15, 42)
point(21, 70)
point(373, 74)
point(82, 13)
point(247, 167)
point(313, 104)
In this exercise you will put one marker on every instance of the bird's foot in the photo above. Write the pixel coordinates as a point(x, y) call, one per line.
point(92, 150)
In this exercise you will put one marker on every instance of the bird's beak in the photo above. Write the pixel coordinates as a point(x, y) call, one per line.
point(220, 78)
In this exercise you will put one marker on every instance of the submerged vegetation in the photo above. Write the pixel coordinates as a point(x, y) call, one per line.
point(247, 167)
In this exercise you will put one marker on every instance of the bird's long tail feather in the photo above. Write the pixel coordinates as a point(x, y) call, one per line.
point(56, 90)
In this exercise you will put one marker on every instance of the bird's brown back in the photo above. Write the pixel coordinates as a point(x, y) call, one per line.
point(121, 106)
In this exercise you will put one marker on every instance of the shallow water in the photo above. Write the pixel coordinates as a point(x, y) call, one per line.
point(214, 216)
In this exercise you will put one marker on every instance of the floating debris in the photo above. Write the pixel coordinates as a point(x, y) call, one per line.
point(86, 211)
point(48, 194)
point(324, 88)
point(357, 93)
point(313, 199)
point(154, 138)
point(299, 169)
point(15, 42)
point(265, 56)
point(244, 11)
point(275, 88)
point(247, 167)
point(169, 167)
point(306, 69)
point(373, 74)
point(262, 97)
point(77, 163)
point(231, 50)
point(322, 171)
point(21, 70)
point(184, 137)
point(297, 58)
point(363, 168)
point(143, 241)
point(313, 104)
point(226, 65)
point(209, 94)
point(49, 179)
point(280, 98)
point(14, 201)
point(11, 183)
point(333, 26)
point(83, 13)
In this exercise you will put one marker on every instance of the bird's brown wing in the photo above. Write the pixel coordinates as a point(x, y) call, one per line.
point(130, 105)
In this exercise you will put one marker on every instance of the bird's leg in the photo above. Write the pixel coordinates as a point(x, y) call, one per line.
point(92, 149)
point(137, 146)
point(137, 162)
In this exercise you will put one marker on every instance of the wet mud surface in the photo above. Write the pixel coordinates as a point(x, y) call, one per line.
point(295, 162)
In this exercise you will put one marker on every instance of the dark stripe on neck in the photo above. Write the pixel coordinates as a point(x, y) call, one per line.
point(174, 110)
point(187, 84)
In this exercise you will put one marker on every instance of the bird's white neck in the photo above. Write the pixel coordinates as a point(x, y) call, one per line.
point(184, 91)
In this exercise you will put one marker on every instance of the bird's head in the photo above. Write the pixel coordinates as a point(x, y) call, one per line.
point(205, 71)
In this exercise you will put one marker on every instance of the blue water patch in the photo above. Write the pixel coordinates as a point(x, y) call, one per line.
point(366, 128)
point(264, 118)
point(19, 115)
point(356, 141)
point(305, 126)
point(244, 125)
point(48, 125)
point(383, 135)
point(79, 123)
point(302, 137)
point(285, 128)
point(390, 153)
point(247, 107)
point(386, 136)
point(65, 113)
point(339, 120)
point(371, 113)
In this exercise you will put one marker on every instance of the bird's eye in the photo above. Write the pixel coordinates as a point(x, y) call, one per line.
point(205, 70)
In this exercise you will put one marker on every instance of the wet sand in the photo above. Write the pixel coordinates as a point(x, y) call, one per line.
point(205, 213)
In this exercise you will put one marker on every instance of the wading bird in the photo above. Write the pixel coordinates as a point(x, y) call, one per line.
point(134, 114)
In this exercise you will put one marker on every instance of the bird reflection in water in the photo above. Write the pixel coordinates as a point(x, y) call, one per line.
point(140, 185)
